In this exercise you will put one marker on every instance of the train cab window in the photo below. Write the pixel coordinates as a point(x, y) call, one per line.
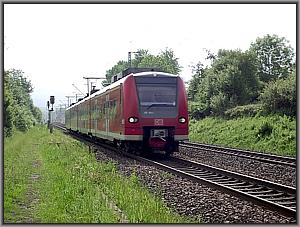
point(157, 96)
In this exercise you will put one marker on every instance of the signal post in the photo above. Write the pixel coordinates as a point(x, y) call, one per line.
point(50, 126)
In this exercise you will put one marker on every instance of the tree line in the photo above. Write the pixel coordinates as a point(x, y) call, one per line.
point(18, 110)
point(260, 80)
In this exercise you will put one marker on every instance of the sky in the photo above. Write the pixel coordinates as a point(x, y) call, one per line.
point(56, 45)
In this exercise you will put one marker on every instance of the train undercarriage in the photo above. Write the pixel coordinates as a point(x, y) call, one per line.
point(155, 140)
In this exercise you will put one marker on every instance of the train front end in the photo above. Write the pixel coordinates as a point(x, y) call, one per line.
point(156, 112)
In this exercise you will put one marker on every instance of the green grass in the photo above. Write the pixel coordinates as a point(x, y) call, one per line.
point(273, 134)
point(19, 153)
point(70, 185)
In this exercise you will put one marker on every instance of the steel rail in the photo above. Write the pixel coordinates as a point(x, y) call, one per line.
point(274, 159)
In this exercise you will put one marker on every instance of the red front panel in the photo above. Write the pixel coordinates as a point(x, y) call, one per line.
point(131, 109)
point(182, 129)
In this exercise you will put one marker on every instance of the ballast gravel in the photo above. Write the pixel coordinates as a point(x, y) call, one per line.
point(197, 201)
point(281, 174)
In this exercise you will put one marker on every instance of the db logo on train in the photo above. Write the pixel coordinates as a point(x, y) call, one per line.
point(158, 122)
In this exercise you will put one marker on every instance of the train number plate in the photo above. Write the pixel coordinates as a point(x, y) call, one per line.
point(159, 133)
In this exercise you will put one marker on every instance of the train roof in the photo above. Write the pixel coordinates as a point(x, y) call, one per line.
point(120, 81)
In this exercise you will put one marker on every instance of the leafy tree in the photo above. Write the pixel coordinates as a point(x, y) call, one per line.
point(219, 103)
point(207, 88)
point(8, 110)
point(274, 57)
point(198, 71)
point(121, 65)
point(38, 116)
point(280, 96)
point(166, 61)
point(236, 79)
point(139, 56)
point(19, 111)
point(237, 75)
point(230, 81)
point(149, 61)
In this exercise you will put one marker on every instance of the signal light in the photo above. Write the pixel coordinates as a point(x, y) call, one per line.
point(52, 99)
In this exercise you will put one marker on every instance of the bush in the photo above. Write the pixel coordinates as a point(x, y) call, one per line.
point(24, 119)
point(219, 103)
point(250, 110)
point(264, 130)
point(280, 96)
point(8, 113)
point(19, 111)
point(198, 110)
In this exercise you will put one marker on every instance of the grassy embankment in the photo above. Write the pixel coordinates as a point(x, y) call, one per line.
point(51, 178)
point(274, 134)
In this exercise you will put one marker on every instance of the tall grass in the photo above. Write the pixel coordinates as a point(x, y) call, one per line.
point(71, 184)
point(19, 153)
point(272, 134)
point(69, 196)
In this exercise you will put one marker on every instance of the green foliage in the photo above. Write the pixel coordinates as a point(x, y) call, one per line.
point(198, 71)
point(274, 57)
point(120, 66)
point(249, 110)
point(259, 75)
point(219, 103)
point(24, 119)
point(230, 81)
point(236, 75)
point(8, 112)
point(166, 61)
point(19, 111)
point(264, 130)
point(280, 96)
point(37, 113)
point(272, 134)
point(197, 110)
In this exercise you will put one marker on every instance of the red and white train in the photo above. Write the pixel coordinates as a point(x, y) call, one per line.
point(142, 110)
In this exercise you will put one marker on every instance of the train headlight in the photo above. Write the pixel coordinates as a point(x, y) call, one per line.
point(182, 120)
point(133, 120)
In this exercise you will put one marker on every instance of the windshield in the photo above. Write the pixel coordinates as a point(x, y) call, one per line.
point(157, 99)
point(157, 95)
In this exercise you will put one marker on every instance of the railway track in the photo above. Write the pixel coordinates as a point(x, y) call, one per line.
point(273, 159)
point(271, 195)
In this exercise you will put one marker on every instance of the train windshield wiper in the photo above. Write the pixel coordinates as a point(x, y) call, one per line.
point(160, 104)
